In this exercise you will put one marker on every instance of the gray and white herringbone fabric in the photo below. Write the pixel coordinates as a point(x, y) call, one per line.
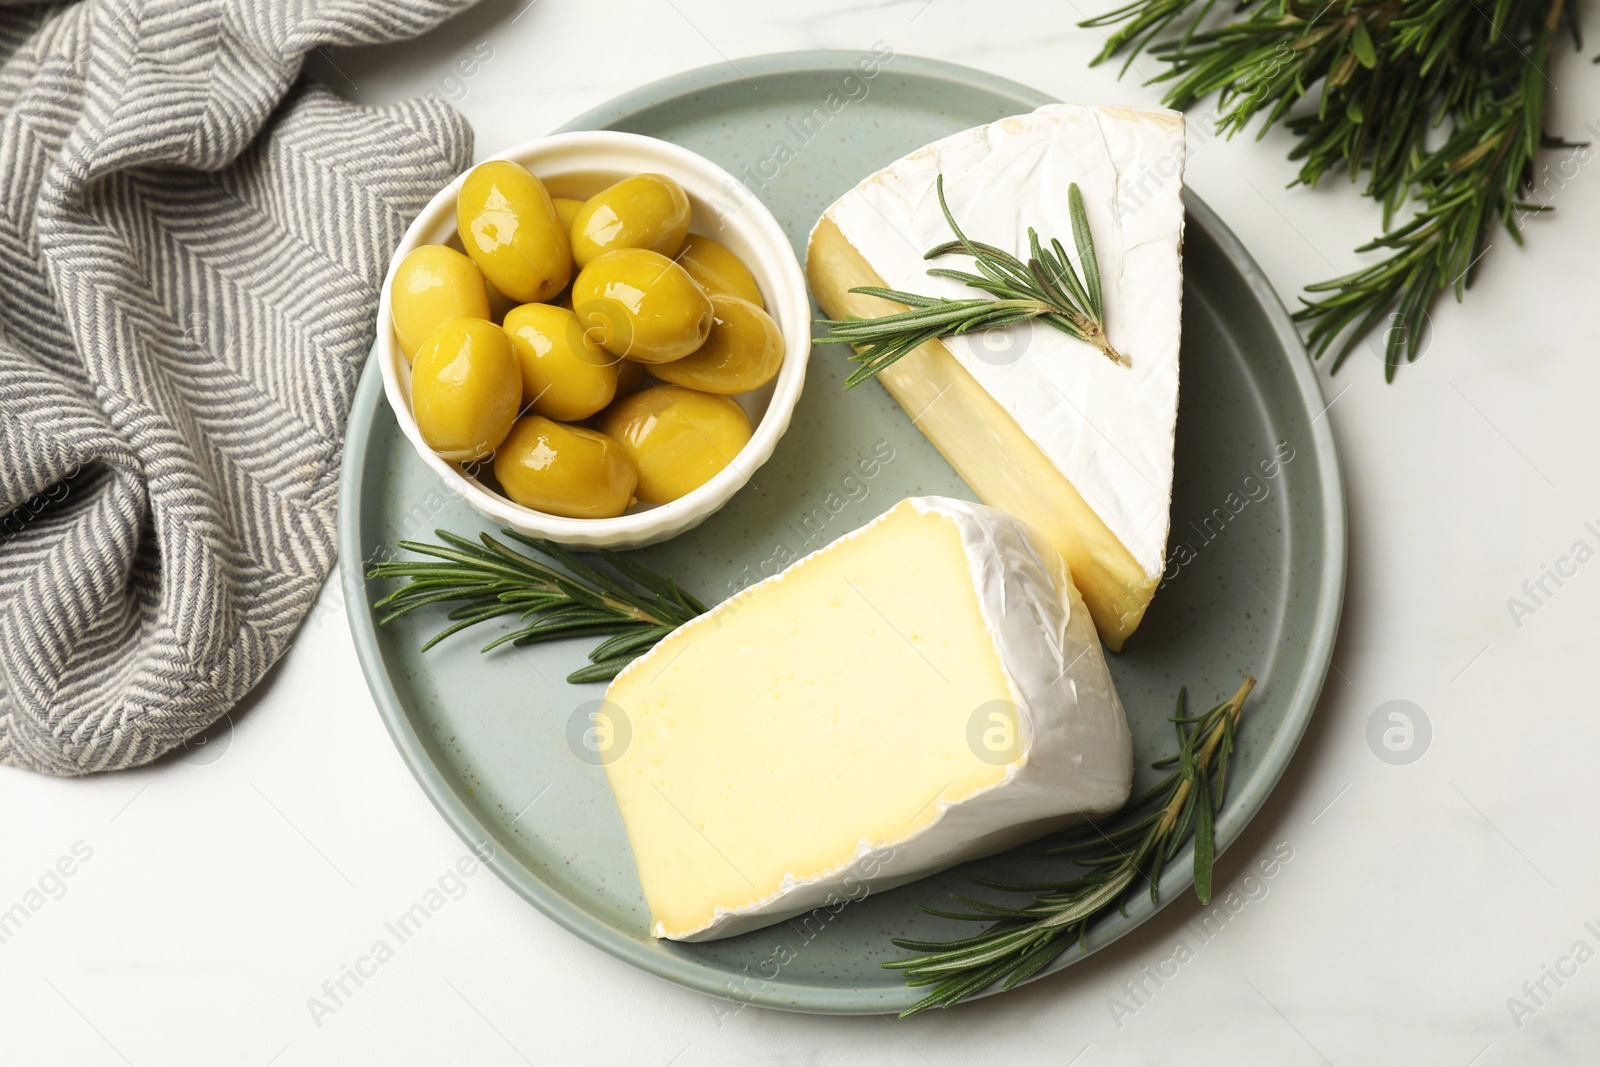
point(190, 248)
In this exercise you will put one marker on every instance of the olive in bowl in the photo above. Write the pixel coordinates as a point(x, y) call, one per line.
point(572, 168)
point(642, 306)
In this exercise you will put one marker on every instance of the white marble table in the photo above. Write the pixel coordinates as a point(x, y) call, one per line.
point(1420, 903)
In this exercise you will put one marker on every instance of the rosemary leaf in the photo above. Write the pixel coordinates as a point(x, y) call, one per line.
point(488, 579)
point(1365, 87)
point(1205, 841)
point(1085, 243)
point(1046, 288)
point(1021, 941)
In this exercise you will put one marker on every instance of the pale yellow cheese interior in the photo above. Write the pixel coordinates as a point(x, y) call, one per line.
point(987, 447)
point(818, 710)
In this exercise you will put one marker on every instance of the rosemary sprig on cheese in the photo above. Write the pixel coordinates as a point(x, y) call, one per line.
point(1046, 287)
point(1142, 839)
point(487, 579)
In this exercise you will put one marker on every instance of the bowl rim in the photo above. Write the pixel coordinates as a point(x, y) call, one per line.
point(789, 303)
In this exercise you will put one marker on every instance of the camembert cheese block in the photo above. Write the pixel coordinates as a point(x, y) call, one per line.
point(926, 689)
point(1038, 423)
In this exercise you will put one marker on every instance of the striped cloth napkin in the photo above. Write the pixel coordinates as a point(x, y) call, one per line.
point(190, 251)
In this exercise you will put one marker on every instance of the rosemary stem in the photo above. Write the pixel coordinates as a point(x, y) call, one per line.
point(1021, 941)
point(1048, 287)
point(487, 579)
point(1203, 759)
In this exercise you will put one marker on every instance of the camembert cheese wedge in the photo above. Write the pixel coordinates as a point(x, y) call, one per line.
point(1038, 423)
point(926, 689)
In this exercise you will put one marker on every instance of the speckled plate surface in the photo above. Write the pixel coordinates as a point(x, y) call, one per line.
point(1258, 550)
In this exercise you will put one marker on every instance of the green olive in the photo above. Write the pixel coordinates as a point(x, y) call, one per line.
point(565, 375)
point(718, 270)
point(512, 232)
point(565, 470)
point(433, 285)
point(642, 306)
point(678, 439)
point(743, 352)
point(644, 211)
point(465, 389)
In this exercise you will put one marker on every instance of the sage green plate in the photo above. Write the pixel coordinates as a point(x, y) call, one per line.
point(488, 737)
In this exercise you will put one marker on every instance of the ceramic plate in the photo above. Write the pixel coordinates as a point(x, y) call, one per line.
point(1258, 552)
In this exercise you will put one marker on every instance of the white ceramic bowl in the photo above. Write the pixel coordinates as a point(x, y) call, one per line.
point(578, 165)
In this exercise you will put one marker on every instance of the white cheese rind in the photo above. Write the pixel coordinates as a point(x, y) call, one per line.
point(1076, 752)
point(1108, 429)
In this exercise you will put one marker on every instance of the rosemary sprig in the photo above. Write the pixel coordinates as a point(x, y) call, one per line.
point(1364, 86)
point(487, 579)
point(1144, 836)
point(1046, 287)
point(1470, 185)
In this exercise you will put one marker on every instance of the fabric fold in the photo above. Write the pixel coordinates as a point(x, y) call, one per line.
point(191, 245)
